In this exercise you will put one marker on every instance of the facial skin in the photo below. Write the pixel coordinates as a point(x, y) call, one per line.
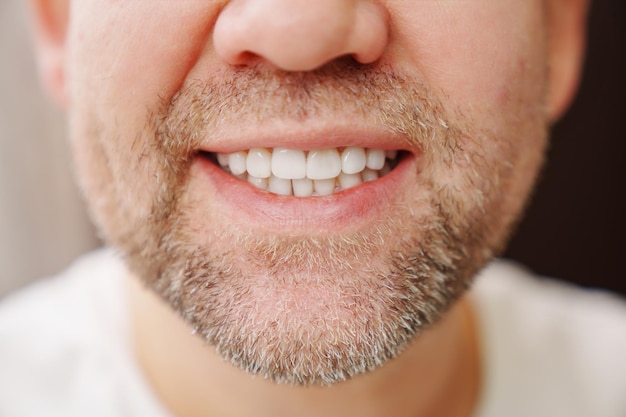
point(314, 290)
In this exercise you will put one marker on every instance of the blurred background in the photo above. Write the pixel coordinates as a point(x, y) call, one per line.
point(574, 229)
point(42, 221)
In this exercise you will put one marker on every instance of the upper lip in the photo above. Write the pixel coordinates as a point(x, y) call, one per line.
point(305, 138)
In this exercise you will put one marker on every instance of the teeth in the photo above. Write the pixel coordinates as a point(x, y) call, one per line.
point(375, 158)
point(259, 162)
point(260, 183)
point(304, 174)
point(279, 186)
point(222, 159)
point(353, 160)
point(323, 164)
point(237, 163)
point(349, 180)
point(369, 175)
point(302, 187)
point(289, 164)
point(324, 187)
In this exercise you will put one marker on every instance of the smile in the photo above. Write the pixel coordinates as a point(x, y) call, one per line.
point(310, 181)
point(299, 173)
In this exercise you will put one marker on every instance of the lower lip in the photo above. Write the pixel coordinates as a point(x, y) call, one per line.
point(351, 208)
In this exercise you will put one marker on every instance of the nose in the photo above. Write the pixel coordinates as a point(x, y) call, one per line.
point(300, 35)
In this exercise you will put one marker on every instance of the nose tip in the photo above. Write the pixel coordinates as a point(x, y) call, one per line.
point(300, 35)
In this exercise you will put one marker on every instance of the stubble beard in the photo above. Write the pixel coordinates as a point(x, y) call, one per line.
point(318, 309)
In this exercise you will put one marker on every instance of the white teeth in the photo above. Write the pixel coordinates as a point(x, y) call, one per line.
point(324, 187)
point(323, 164)
point(369, 175)
point(279, 186)
point(222, 159)
point(353, 160)
point(237, 162)
point(375, 158)
point(259, 162)
point(349, 180)
point(304, 174)
point(289, 164)
point(302, 187)
point(260, 183)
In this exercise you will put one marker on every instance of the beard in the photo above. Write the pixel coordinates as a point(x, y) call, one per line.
point(312, 309)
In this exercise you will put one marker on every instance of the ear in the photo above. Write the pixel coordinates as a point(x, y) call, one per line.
point(49, 20)
point(567, 24)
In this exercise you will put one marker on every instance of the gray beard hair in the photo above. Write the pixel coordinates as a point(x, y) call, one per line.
point(375, 311)
point(371, 319)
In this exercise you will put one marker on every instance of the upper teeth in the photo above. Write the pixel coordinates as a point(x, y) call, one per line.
point(306, 173)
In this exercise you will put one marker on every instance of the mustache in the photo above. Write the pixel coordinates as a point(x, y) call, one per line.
point(238, 96)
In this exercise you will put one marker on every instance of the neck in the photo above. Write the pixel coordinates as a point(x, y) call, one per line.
point(192, 380)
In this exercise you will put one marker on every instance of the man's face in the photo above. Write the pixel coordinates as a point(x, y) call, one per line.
point(312, 288)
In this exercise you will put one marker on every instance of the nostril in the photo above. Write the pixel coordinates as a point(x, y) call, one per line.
point(245, 58)
point(300, 35)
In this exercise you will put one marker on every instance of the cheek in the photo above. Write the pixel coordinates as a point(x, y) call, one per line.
point(483, 56)
point(486, 58)
point(127, 57)
point(119, 73)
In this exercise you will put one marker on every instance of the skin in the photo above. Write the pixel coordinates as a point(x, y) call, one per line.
point(130, 77)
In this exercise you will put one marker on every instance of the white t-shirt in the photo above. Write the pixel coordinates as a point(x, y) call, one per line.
point(547, 349)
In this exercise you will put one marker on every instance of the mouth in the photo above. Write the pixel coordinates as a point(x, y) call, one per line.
point(302, 173)
point(306, 181)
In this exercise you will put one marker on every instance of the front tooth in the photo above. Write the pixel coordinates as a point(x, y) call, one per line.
point(260, 183)
point(289, 164)
point(375, 158)
point(324, 187)
point(349, 180)
point(302, 187)
point(258, 162)
point(353, 160)
point(279, 185)
point(323, 164)
point(237, 162)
